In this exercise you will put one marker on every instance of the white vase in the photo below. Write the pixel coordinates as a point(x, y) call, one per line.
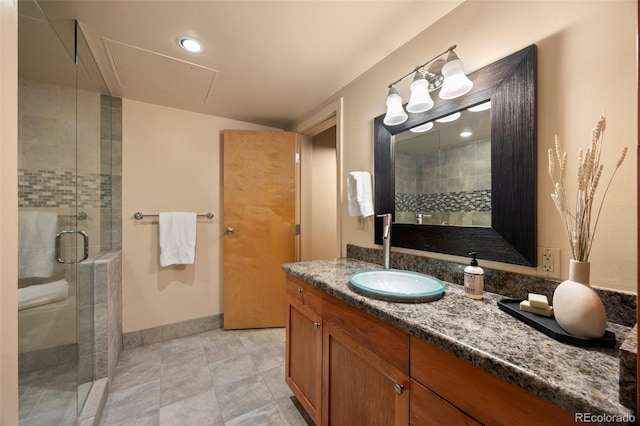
point(576, 305)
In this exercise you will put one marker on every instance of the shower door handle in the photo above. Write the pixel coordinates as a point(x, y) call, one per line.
point(85, 241)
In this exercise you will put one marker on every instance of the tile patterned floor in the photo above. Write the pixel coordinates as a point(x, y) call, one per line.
point(213, 378)
point(48, 396)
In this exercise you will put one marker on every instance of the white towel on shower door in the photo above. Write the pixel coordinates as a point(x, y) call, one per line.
point(36, 243)
point(41, 294)
point(177, 238)
point(359, 194)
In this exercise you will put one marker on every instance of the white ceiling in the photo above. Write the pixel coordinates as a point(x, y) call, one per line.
point(266, 62)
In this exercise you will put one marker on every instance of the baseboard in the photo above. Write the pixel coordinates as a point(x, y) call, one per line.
point(166, 332)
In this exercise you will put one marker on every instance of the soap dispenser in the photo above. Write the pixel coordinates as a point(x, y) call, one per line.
point(473, 279)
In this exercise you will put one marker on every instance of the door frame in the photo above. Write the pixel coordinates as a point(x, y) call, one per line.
point(329, 115)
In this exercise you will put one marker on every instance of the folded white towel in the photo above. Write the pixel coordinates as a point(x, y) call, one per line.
point(177, 238)
point(359, 194)
point(41, 294)
point(36, 243)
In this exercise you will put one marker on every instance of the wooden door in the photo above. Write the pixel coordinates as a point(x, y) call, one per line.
point(259, 226)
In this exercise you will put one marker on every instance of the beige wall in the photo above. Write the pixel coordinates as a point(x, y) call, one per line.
point(171, 162)
point(8, 212)
point(323, 191)
point(586, 65)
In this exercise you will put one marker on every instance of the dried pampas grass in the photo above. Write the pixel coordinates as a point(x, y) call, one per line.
point(579, 224)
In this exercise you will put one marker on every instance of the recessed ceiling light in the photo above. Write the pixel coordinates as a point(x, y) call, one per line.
point(466, 134)
point(190, 44)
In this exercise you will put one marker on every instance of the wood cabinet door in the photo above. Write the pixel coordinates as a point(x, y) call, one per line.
point(428, 409)
point(303, 370)
point(359, 387)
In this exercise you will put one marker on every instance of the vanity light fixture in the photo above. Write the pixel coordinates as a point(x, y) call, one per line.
point(480, 107)
point(395, 112)
point(447, 75)
point(422, 128)
point(190, 44)
point(449, 118)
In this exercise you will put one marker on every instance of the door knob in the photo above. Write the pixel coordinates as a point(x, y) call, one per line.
point(230, 230)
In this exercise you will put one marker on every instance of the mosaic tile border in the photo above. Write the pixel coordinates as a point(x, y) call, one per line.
point(461, 201)
point(50, 188)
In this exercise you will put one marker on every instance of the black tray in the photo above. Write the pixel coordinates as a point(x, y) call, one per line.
point(550, 327)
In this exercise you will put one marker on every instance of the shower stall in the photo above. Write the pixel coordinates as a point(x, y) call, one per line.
point(68, 175)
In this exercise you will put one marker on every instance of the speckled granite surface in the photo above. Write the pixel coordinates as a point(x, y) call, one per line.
point(628, 370)
point(620, 307)
point(574, 378)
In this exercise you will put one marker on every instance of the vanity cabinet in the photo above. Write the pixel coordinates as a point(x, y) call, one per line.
point(429, 409)
point(344, 366)
point(347, 367)
point(365, 377)
point(303, 367)
point(472, 393)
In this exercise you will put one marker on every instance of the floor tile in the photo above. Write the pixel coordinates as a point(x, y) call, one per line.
point(200, 410)
point(130, 403)
point(242, 396)
point(217, 378)
point(232, 370)
point(183, 383)
point(267, 415)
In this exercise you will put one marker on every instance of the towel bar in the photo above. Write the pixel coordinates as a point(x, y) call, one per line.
point(79, 215)
point(140, 216)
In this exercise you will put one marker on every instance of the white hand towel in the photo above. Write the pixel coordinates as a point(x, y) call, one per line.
point(359, 194)
point(177, 238)
point(41, 294)
point(36, 243)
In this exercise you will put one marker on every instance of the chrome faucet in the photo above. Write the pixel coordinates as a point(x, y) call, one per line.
point(386, 239)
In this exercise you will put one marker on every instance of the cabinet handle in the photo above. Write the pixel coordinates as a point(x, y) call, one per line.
point(299, 291)
point(316, 325)
point(398, 388)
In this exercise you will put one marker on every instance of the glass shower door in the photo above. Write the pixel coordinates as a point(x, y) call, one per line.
point(64, 200)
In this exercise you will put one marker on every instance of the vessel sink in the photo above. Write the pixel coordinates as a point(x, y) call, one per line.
point(397, 286)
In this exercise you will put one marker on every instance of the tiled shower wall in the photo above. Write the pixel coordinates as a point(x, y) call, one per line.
point(62, 164)
point(448, 185)
point(108, 312)
point(111, 139)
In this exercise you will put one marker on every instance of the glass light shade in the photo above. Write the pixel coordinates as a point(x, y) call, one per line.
point(482, 107)
point(422, 128)
point(455, 82)
point(395, 113)
point(449, 118)
point(420, 99)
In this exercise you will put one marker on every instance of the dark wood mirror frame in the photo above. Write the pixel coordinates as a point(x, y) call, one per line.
point(510, 84)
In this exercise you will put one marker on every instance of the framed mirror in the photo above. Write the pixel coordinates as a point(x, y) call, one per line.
point(507, 233)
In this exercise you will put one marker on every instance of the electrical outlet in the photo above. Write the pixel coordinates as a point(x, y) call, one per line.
point(549, 262)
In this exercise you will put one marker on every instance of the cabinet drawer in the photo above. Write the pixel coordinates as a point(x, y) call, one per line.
point(304, 293)
point(388, 342)
point(428, 409)
point(478, 393)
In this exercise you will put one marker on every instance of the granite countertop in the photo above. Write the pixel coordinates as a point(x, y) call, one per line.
point(578, 379)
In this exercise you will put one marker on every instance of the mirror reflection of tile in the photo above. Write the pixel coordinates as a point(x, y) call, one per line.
point(451, 186)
